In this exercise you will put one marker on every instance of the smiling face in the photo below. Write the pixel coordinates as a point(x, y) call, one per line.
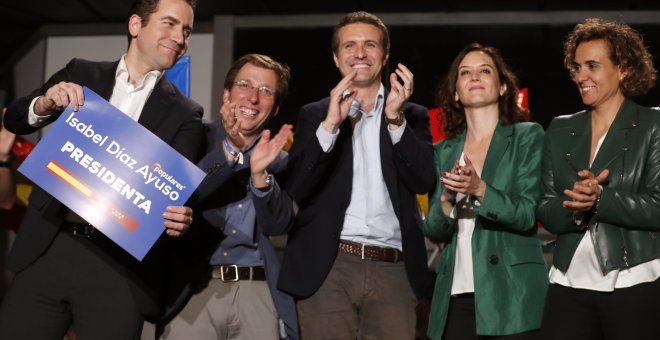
point(360, 49)
point(253, 107)
point(164, 39)
point(594, 73)
point(478, 82)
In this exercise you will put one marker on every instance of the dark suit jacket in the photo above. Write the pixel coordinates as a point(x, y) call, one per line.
point(320, 183)
point(167, 113)
point(224, 185)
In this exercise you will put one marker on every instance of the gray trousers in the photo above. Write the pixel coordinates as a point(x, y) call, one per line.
point(360, 299)
point(227, 310)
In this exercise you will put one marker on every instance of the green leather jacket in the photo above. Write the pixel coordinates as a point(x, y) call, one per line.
point(626, 226)
point(510, 276)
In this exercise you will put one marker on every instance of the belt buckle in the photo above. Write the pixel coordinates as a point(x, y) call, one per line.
point(84, 230)
point(227, 268)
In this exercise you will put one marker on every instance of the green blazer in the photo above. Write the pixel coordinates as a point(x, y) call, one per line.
point(626, 226)
point(510, 276)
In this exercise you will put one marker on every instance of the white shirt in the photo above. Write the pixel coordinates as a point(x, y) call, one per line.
point(128, 98)
point(370, 217)
point(463, 280)
point(584, 271)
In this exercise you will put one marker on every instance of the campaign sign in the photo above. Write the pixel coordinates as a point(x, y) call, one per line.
point(113, 172)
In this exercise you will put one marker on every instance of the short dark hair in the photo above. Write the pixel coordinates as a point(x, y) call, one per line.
point(361, 18)
point(627, 50)
point(144, 9)
point(454, 112)
point(282, 72)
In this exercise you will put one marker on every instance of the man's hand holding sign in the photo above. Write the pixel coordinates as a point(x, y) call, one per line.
point(112, 172)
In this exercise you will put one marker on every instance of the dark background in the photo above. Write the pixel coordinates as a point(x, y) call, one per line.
point(533, 51)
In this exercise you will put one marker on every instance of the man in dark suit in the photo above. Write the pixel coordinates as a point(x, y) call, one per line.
point(356, 257)
point(66, 271)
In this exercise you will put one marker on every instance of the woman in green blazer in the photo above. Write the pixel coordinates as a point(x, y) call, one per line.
point(601, 193)
point(492, 278)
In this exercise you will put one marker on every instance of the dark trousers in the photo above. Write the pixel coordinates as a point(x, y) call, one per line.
point(462, 325)
point(70, 284)
point(626, 313)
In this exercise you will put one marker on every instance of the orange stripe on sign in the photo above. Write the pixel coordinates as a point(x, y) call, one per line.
point(126, 221)
point(68, 178)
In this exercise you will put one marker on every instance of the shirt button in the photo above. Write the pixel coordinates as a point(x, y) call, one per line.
point(225, 254)
point(233, 231)
point(494, 259)
point(240, 205)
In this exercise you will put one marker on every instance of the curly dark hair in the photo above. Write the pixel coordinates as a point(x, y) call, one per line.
point(282, 72)
point(453, 118)
point(627, 50)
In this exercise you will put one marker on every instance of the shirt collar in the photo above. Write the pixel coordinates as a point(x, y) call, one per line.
point(249, 147)
point(122, 75)
point(380, 99)
point(378, 106)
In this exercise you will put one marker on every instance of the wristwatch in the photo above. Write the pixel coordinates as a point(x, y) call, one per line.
point(269, 183)
point(8, 162)
point(398, 121)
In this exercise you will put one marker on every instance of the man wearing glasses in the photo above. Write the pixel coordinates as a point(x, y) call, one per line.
point(235, 297)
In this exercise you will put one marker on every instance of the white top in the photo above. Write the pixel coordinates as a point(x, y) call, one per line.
point(370, 217)
point(126, 97)
point(463, 280)
point(584, 271)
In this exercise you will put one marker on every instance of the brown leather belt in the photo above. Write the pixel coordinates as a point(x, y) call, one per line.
point(367, 252)
point(233, 273)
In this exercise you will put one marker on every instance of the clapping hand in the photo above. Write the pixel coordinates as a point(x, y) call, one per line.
point(340, 104)
point(399, 94)
point(267, 149)
point(465, 180)
point(231, 123)
point(585, 192)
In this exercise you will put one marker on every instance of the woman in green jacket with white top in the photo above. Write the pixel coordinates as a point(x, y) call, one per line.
point(492, 278)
